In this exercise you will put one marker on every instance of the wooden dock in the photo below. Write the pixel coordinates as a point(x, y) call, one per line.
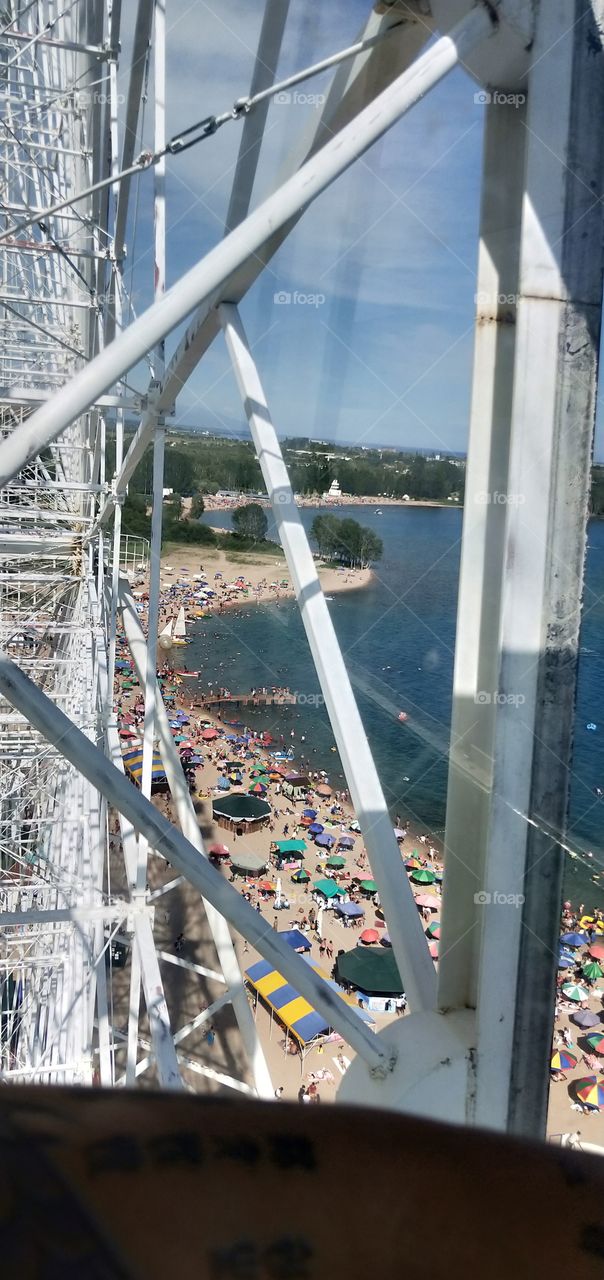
point(268, 699)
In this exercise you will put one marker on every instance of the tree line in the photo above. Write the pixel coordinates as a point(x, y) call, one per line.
point(346, 541)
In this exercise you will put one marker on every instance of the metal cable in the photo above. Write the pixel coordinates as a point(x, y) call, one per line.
point(207, 127)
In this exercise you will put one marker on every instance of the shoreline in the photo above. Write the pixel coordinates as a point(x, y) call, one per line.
point(259, 569)
point(213, 503)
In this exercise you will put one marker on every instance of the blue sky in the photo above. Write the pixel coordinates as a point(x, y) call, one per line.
point(374, 344)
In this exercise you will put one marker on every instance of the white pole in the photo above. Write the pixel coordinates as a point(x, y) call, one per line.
point(190, 826)
point(161, 835)
point(207, 276)
point(408, 941)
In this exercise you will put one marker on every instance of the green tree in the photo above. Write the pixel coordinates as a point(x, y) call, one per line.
point(197, 506)
point(250, 521)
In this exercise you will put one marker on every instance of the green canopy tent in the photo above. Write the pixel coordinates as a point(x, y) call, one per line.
point(371, 970)
point(291, 846)
point(329, 889)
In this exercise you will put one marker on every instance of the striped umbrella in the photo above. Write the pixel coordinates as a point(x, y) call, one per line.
point(573, 991)
point(591, 1090)
point(433, 930)
point(562, 1060)
point(596, 1042)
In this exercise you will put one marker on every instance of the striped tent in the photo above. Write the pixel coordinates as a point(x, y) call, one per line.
point(292, 1010)
point(133, 764)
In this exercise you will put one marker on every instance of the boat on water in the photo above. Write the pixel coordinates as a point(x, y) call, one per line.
point(176, 629)
point(378, 513)
point(187, 675)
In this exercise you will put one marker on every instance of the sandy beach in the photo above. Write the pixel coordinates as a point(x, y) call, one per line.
point(181, 928)
point(263, 571)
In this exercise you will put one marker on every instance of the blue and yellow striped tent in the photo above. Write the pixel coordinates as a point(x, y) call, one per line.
point(296, 1014)
point(133, 764)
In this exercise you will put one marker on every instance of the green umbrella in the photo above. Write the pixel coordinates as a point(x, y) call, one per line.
point(592, 970)
point(423, 876)
point(573, 991)
point(369, 886)
point(258, 773)
point(301, 876)
point(335, 863)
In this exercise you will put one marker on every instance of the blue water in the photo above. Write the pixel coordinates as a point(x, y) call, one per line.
point(398, 639)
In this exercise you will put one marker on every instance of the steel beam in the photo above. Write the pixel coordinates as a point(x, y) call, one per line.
point(552, 422)
point(162, 836)
point(206, 280)
point(408, 941)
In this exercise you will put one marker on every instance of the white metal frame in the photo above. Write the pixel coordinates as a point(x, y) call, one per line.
point(521, 571)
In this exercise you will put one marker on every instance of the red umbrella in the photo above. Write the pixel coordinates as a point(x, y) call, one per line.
point(433, 949)
point(219, 850)
point(209, 734)
point(369, 935)
point(597, 951)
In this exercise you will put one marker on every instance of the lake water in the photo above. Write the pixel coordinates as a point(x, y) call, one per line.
point(398, 637)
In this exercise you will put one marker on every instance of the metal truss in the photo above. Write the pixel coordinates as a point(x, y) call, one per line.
point(458, 1054)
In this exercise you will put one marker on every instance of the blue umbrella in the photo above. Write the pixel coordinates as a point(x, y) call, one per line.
point(574, 939)
point(315, 828)
point(585, 1018)
point(385, 940)
point(565, 960)
point(325, 840)
point(346, 842)
point(309, 813)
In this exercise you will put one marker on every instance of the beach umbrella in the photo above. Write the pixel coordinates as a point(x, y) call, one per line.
point(423, 876)
point(565, 961)
point(335, 863)
point(369, 935)
point(591, 1090)
point(316, 828)
point(265, 886)
point(385, 940)
point(309, 813)
point(301, 876)
point(223, 783)
point(354, 825)
point(208, 735)
point(433, 949)
point(399, 834)
point(562, 1060)
point(258, 772)
point(346, 842)
point(323, 790)
point(258, 789)
point(412, 863)
point(433, 930)
point(369, 886)
point(325, 840)
point(573, 991)
point(591, 970)
point(574, 939)
point(585, 1018)
point(597, 951)
point(428, 900)
point(596, 1042)
point(219, 850)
